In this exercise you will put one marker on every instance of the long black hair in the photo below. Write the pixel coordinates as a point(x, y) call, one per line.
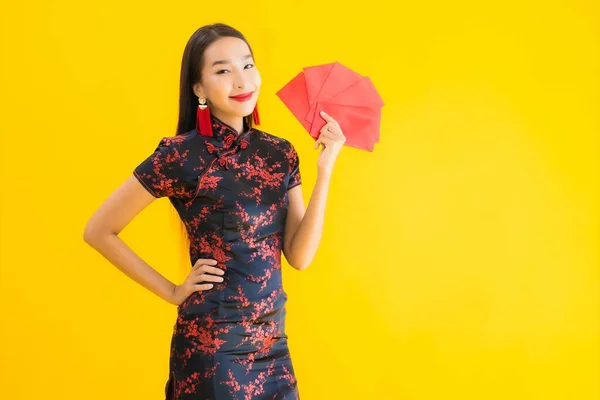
point(191, 72)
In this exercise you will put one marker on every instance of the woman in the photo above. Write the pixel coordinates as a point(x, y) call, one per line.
point(238, 192)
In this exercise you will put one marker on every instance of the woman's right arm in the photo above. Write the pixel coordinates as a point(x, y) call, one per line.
point(102, 230)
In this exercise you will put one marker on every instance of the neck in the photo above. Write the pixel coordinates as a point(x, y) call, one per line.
point(235, 122)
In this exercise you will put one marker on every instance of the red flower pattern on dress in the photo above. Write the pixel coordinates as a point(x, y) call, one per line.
point(229, 140)
point(230, 191)
point(224, 162)
point(211, 147)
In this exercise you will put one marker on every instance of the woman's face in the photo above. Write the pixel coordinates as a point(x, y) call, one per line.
point(229, 71)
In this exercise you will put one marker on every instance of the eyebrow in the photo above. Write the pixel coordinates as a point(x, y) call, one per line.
point(227, 61)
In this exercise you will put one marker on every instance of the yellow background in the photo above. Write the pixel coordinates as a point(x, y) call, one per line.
point(459, 260)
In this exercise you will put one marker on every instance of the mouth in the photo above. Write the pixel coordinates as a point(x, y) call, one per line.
point(242, 97)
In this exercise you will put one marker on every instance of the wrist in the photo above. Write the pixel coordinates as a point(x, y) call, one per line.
point(324, 173)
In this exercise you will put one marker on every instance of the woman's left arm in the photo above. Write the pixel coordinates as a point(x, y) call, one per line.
point(304, 228)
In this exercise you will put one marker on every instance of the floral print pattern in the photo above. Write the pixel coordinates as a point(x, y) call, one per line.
point(231, 192)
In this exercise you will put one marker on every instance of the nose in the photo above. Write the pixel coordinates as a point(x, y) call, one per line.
point(239, 81)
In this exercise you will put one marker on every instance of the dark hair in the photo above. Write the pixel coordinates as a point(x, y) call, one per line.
point(191, 72)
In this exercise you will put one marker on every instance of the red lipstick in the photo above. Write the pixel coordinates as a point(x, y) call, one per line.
point(242, 97)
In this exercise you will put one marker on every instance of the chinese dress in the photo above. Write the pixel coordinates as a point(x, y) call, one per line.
point(230, 191)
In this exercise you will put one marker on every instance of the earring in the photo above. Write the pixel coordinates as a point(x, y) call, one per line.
point(203, 122)
point(255, 117)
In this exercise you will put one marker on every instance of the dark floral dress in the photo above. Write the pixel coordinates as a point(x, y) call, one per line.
point(230, 190)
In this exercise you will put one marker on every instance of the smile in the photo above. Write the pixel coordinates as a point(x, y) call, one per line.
point(242, 97)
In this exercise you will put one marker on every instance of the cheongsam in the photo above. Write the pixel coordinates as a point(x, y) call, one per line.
point(231, 192)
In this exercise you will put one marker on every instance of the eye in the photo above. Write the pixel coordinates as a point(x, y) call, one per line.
point(222, 71)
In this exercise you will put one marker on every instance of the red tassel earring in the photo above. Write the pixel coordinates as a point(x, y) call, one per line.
point(203, 122)
point(255, 115)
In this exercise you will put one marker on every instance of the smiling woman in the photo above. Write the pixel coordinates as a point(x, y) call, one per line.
point(228, 340)
point(237, 190)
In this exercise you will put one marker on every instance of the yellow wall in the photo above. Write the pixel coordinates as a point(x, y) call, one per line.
point(459, 260)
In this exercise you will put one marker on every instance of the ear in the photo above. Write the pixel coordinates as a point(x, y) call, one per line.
point(198, 90)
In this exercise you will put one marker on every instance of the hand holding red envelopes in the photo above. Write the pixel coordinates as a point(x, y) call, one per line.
point(349, 98)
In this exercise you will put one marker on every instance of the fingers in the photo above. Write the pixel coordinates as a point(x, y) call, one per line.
point(203, 287)
point(332, 129)
point(327, 134)
point(207, 278)
point(332, 125)
point(203, 271)
point(199, 276)
point(318, 142)
point(328, 118)
point(206, 273)
point(324, 140)
point(204, 261)
point(208, 269)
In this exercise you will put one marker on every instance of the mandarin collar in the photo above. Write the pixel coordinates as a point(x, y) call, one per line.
point(225, 137)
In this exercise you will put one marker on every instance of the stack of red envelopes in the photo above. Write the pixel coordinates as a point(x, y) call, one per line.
point(348, 97)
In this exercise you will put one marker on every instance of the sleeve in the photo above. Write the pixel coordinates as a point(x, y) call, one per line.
point(160, 172)
point(294, 176)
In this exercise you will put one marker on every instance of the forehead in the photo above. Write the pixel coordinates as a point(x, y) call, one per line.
point(226, 48)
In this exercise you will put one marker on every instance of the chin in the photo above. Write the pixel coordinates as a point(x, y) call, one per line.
point(243, 111)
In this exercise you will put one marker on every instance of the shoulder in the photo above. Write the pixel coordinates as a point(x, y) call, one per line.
point(171, 152)
point(176, 149)
point(178, 141)
point(278, 142)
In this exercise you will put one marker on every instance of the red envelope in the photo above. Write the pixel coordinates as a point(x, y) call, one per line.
point(348, 97)
point(315, 78)
point(359, 124)
point(354, 104)
point(330, 79)
point(293, 94)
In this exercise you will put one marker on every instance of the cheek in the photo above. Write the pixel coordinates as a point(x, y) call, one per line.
point(219, 89)
point(256, 79)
